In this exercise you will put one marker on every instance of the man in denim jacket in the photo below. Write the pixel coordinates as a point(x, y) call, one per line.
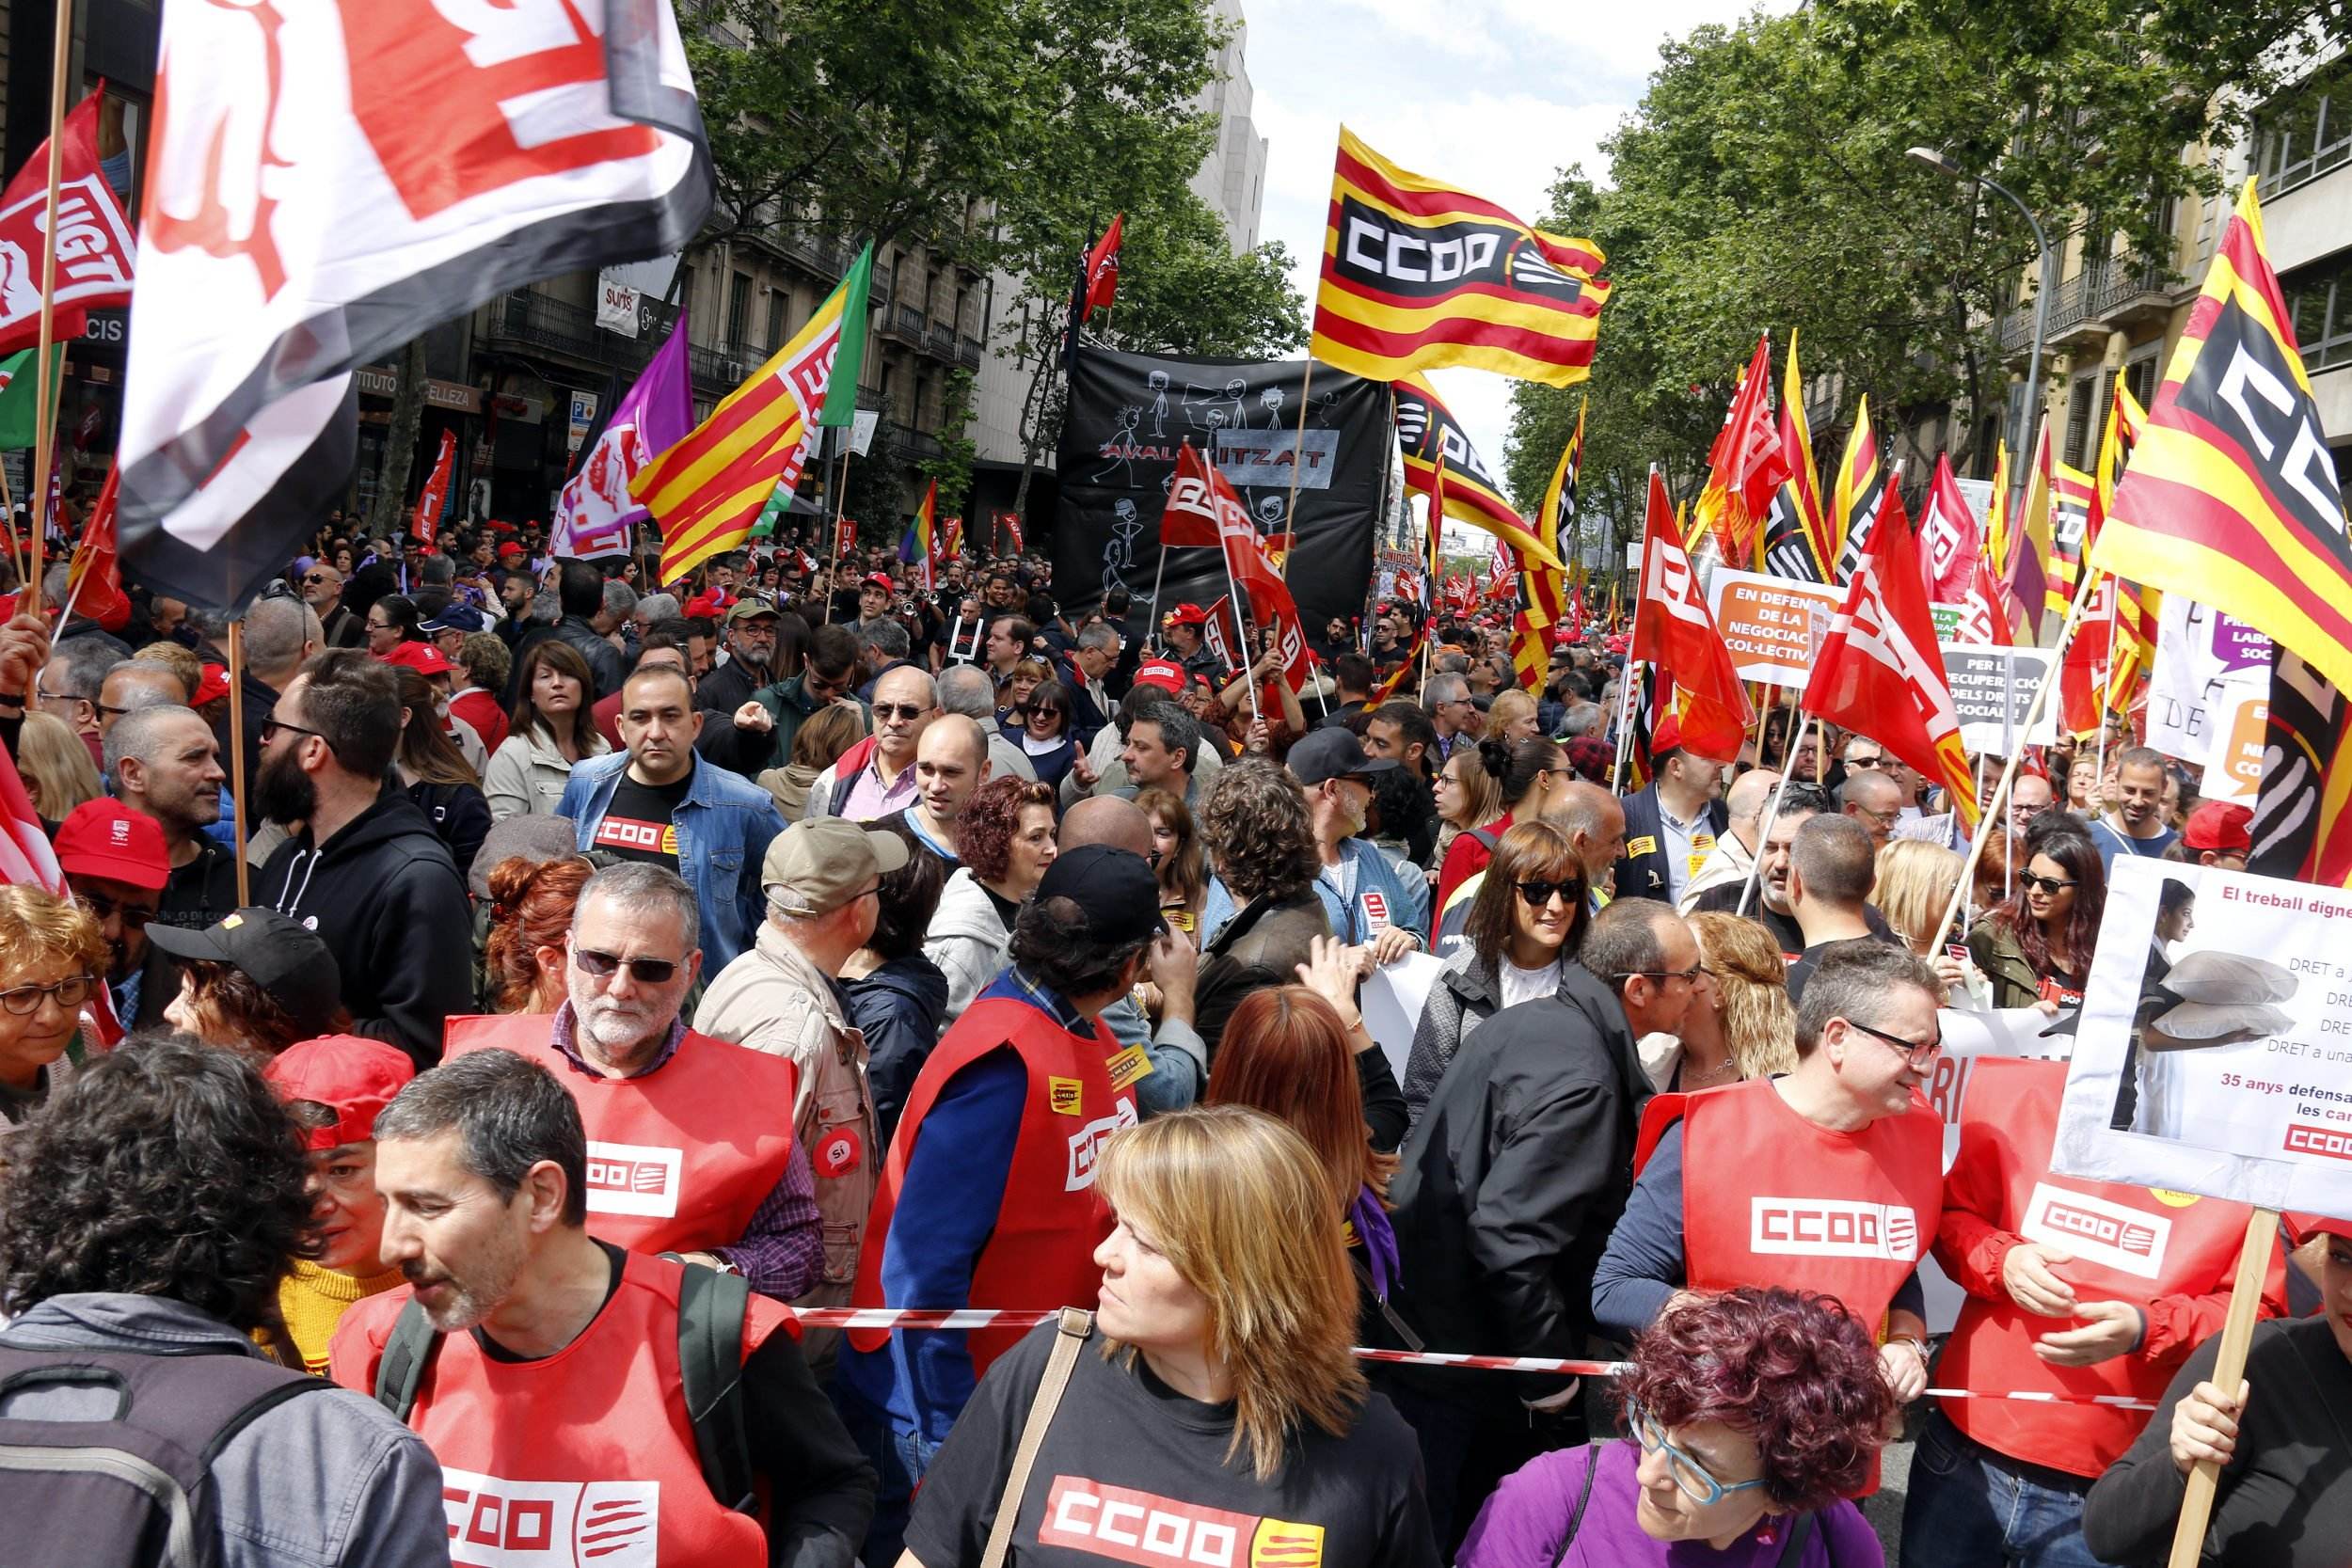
point(658, 800)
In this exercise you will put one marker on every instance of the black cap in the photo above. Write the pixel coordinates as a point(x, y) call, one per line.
point(1333, 752)
point(287, 959)
point(1114, 888)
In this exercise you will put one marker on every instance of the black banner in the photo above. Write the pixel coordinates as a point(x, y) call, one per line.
point(1130, 413)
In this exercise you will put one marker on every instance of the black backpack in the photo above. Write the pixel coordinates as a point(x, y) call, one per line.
point(136, 1488)
point(710, 1363)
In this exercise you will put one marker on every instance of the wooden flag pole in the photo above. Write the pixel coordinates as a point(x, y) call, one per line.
point(236, 755)
point(840, 506)
point(1764, 830)
point(2229, 1370)
point(8, 512)
point(1993, 808)
point(1625, 677)
point(1298, 449)
point(1241, 617)
point(45, 418)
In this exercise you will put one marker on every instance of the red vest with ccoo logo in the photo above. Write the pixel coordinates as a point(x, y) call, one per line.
point(1041, 1252)
point(680, 1159)
point(583, 1458)
point(2128, 1243)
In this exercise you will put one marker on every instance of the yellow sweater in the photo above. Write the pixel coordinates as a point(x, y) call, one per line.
point(314, 1300)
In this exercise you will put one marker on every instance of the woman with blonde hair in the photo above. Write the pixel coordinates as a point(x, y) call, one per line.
point(1468, 796)
point(1915, 887)
point(1220, 1383)
point(1510, 717)
point(53, 958)
point(56, 765)
point(1740, 1023)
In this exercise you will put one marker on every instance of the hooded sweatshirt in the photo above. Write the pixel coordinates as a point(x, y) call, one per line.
point(900, 1008)
point(967, 939)
point(386, 897)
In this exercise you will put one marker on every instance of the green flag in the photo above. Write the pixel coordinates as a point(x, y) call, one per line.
point(766, 527)
point(849, 355)
point(20, 395)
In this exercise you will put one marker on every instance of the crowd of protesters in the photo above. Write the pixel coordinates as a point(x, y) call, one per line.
point(616, 966)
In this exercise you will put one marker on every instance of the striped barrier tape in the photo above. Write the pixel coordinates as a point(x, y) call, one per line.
point(883, 1317)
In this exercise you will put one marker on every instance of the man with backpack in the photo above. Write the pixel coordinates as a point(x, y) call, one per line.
point(554, 1374)
point(140, 1361)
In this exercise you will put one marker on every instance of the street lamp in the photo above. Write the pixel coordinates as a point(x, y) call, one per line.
point(1943, 164)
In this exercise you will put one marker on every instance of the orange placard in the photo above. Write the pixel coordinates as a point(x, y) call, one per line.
point(1771, 625)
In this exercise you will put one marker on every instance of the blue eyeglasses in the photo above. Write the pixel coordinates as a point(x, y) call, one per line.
point(1688, 1473)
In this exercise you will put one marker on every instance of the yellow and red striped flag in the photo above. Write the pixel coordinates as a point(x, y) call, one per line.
point(707, 492)
point(1431, 438)
point(1860, 492)
point(1417, 274)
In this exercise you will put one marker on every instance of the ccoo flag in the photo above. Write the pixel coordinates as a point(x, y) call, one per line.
point(1431, 437)
point(1417, 274)
point(1674, 630)
point(1860, 493)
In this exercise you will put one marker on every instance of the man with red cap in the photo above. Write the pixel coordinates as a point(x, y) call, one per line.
point(116, 867)
point(1672, 823)
point(1184, 630)
point(2216, 834)
point(332, 1087)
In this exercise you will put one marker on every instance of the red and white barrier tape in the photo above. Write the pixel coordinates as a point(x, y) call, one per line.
point(883, 1317)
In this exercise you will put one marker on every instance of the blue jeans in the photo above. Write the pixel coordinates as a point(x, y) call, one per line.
point(1970, 1507)
point(900, 1457)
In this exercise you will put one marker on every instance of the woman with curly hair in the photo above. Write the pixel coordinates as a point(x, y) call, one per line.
point(1510, 717)
point(1176, 859)
point(1750, 1418)
point(1262, 845)
point(1005, 841)
point(531, 916)
point(52, 954)
point(1741, 1023)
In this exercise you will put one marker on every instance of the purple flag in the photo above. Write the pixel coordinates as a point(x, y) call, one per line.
point(595, 513)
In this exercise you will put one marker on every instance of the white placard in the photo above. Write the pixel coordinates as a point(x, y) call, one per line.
point(1992, 690)
point(2207, 666)
point(2246, 1094)
point(1390, 1000)
point(616, 305)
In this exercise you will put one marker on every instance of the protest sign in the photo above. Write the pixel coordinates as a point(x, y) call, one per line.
point(1949, 618)
point(2208, 696)
point(1992, 690)
point(1772, 625)
point(2241, 732)
point(1390, 1001)
point(2219, 1062)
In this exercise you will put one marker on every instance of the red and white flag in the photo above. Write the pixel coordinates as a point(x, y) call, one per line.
point(1950, 544)
point(1879, 671)
point(428, 525)
point(326, 181)
point(27, 858)
point(1199, 493)
point(94, 581)
point(1674, 630)
point(94, 243)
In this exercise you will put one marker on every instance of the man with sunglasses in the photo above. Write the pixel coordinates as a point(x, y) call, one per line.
point(322, 591)
point(694, 1153)
point(874, 777)
point(1829, 1178)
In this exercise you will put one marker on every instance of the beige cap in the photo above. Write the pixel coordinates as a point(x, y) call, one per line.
point(815, 865)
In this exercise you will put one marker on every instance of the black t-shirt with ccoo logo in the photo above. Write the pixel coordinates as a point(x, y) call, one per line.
point(638, 826)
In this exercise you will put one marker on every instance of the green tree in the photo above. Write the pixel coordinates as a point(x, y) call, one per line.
point(952, 468)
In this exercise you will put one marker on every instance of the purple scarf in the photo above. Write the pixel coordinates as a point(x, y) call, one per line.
point(1379, 1240)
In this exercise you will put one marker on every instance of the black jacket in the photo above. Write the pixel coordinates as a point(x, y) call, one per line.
point(729, 686)
point(385, 895)
point(1641, 873)
point(604, 659)
point(459, 812)
point(1513, 1179)
point(1086, 715)
point(1263, 945)
point(899, 1009)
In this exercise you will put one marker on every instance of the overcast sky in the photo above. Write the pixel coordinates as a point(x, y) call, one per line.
point(1495, 96)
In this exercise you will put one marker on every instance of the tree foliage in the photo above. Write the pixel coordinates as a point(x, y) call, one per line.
point(1763, 182)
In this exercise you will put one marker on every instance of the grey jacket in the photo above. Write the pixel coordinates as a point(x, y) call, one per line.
point(325, 1481)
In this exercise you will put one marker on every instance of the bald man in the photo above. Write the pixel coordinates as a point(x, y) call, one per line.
point(1872, 798)
point(134, 684)
point(1180, 1058)
point(1594, 819)
point(950, 762)
point(874, 777)
point(1747, 799)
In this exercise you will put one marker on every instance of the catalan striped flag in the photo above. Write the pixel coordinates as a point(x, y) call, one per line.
point(706, 491)
point(2029, 563)
point(1432, 440)
point(1435, 567)
point(1556, 526)
point(1861, 491)
point(2074, 493)
point(918, 546)
point(1417, 274)
point(1996, 515)
point(1543, 589)
point(1796, 530)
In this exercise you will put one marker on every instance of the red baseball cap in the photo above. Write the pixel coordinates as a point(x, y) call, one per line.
point(508, 548)
point(881, 581)
point(1161, 673)
point(2304, 1227)
point(351, 1075)
point(106, 839)
point(2218, 826)
point(1185, 615)
point(213, 687)
point(423, 657)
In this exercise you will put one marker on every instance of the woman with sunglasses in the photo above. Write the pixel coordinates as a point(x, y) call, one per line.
point(1749, 1419)
point(1040, 725)
point(2035, 948)
point(53, 958)
point(550, 730)
point(1526, 921)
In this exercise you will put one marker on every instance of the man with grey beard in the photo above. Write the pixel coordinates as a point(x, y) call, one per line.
point(701, 1114)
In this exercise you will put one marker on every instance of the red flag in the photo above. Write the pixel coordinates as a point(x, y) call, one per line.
point(1879, 671)
point(1949, 542)
point(1103, 267)
point(1221, 635)
point(1199, 501)
point(1576, 614)
point(1673, 629)
point(1992, 618)
point(844, 538)
point(1188, 520)
point(1009, 522)
point(94, 582)
point(2084, 670)
point(94, 243)
point(951, 538)
point(1746, 465)
point(436, 493)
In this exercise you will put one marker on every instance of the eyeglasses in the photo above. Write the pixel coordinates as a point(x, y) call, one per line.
point(1689, 1474)
point(312, 580)
point(1536, 894)
point(48, 696)
point(271, 726)
point(68, 993)
point(1691, 974)
point(1852, 763)
point(1885, 819)
point(2046, 884)
point(907, 711)
point(135, 917)
point(1919, 1057)
point(645, 971)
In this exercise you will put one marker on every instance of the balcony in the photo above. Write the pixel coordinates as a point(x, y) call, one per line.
point(907, 444)
point(2091, 304)
point(725, 366)
point(942, 344)
point(968, 351)
point(534, 323)
point(905, 322)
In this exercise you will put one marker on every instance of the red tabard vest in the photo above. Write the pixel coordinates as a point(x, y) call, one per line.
point(678, 1161)
point(584, 1459)
point(2128, 1244)
point(1041, 1252)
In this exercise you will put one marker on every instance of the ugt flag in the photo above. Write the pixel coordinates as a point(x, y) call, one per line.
point(325, 183)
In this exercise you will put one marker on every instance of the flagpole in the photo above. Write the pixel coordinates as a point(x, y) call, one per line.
point(1159, 575)
point(236, 752)
point(840, 505)
point(1764, 829)
point(1625, 678)
point(1993, 808)
point(44, 417)
point(8, 512)
point(1250, 665)
point(1298, 449)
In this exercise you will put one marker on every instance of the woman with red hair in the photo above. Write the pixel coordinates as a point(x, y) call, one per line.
point(1752, 1415)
